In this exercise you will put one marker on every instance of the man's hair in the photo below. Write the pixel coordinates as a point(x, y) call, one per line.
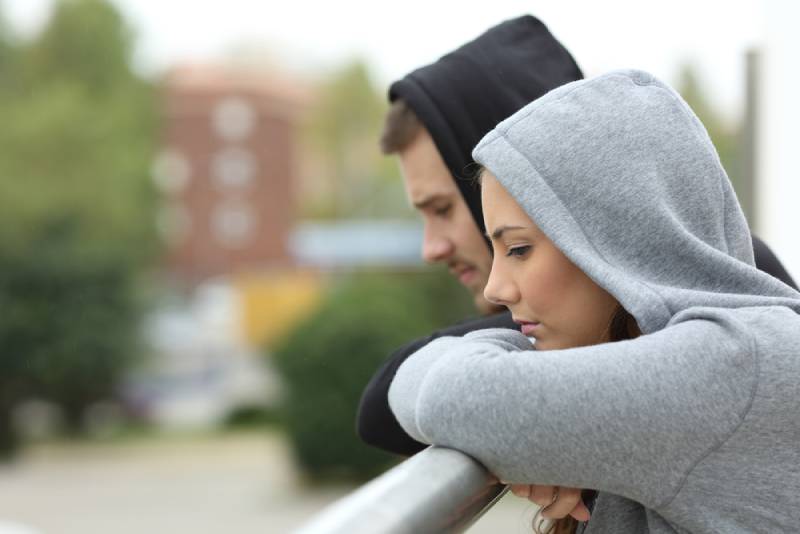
point(399, 128)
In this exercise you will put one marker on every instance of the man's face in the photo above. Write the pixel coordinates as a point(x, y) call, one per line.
point(451, 235)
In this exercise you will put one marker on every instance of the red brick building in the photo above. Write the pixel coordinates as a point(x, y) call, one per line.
point(227, 170)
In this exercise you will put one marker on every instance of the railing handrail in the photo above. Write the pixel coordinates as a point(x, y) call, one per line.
point(437, 490)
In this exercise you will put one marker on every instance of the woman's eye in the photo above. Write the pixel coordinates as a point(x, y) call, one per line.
point(518, 251)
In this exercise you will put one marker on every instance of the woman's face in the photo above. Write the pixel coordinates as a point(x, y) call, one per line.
point(553, 300)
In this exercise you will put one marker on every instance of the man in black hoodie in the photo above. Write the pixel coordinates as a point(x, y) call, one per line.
point(438, 114)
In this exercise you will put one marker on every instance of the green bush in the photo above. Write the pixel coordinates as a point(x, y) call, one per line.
point(69, 328)
point(327, 361)
point(77, 208)
point(250, 416)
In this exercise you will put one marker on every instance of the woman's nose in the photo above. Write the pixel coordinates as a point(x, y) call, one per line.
point(500, 288)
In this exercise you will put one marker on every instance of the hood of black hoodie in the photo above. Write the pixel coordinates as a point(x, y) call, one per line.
point(467, 92)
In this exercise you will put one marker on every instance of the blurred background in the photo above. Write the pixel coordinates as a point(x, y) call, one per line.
point(204, 256)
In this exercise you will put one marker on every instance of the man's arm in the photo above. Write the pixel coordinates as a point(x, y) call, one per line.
point(376, 424)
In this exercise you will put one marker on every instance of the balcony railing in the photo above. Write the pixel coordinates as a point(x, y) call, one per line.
point(437, 490)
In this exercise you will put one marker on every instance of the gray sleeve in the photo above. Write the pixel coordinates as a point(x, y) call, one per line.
point(404, 394)
point(631, 418)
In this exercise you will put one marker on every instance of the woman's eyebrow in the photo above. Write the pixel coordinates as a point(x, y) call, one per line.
point(498, 232)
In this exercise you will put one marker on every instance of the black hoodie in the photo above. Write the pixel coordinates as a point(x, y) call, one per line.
point(463, 95)
point(459, 99)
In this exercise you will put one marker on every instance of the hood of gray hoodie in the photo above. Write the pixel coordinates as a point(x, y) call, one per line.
point(621, 175)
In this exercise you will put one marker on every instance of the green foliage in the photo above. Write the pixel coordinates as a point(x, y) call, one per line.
point(348, 109)
point(727, 138)
point(251, 417)
point(7, 54)
point(351, 178)
point(78, 133)
point(69, 324)
point(328, 360)
point(85, 41)
point(77, 208)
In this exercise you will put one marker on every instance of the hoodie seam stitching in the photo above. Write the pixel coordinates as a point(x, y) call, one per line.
point(753, 346)
point(587, 83)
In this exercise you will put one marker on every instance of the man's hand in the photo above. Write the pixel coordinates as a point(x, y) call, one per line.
point(556, 501)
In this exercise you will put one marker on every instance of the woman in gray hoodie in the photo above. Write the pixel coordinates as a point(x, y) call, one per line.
point(664, 368)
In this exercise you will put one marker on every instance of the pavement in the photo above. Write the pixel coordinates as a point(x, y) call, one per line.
point(237, 483)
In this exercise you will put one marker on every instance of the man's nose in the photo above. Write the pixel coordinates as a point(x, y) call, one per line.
point(436, 248)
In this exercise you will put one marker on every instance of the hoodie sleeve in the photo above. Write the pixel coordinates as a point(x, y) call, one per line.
point(375, 423)
point(631, 418)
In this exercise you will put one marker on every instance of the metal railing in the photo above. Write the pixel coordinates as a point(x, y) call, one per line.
point(437, 490)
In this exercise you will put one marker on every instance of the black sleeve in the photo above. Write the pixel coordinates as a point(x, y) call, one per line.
point(767, 261)
point(375, 422)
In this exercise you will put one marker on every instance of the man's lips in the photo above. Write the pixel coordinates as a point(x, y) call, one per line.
point(465, 275)
point(528, 328)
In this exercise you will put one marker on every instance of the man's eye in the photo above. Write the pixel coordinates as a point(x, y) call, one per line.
point(518, 251)
point(442, 211)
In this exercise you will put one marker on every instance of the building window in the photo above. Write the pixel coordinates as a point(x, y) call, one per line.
point(233, 167)
point(171, 171)
point(233, 224)
point(233, 118)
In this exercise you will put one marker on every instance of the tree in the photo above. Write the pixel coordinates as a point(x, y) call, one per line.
point(68, 324)
point(7, 53)
point(726, 137)
point(78, 134)
point(350, 178)
point(76, 209)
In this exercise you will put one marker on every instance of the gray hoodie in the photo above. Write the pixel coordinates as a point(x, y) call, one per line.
point(695, 425)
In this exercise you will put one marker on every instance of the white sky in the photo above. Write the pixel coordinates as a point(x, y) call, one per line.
point(395, 37)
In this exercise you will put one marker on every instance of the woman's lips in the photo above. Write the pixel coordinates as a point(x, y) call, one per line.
point(529, 329)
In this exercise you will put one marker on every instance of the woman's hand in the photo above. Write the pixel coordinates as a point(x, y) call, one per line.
point(556, 501)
